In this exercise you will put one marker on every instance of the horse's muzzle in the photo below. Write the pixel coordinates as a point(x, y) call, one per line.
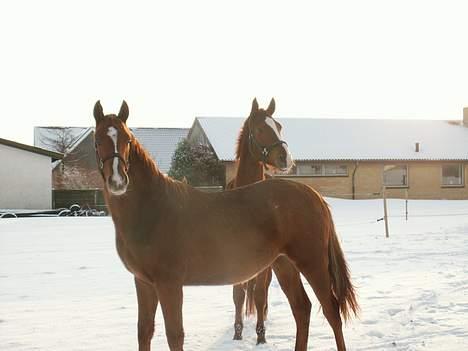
point(117, 187)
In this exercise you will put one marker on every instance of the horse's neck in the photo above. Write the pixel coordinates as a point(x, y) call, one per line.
point(144, 181)
point(249, 170)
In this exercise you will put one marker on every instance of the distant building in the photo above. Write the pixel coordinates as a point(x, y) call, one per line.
point(76, 178)
point(25, 176)
point(356, 158)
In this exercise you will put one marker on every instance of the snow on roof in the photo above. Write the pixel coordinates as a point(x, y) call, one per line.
point(160, 143)
point(352, 139)
point(37, 150)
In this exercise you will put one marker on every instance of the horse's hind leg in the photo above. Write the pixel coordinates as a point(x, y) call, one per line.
point(262, 284)
point(238, 295)
point(315, 270)
point(291, 284)
point(147, 304)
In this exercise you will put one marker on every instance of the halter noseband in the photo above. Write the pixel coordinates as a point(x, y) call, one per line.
point(264, 150)
point(101, 161)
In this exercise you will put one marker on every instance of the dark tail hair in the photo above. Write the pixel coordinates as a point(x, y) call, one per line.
point(342, 287)
point(250, 309)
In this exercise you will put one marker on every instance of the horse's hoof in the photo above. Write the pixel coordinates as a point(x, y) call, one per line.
point(261, 335)
point(261, 341)
point(238, 331)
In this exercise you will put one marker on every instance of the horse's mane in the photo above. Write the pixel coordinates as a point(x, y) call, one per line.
point(141, 155)
point(144, 157)
point(244, 133)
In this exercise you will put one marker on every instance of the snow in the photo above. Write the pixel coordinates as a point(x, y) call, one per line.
point(63, 287)
point(365, 139)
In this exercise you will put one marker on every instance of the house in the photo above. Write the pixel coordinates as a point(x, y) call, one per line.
point(356, 158)
point(25, 176)
point(76, 178)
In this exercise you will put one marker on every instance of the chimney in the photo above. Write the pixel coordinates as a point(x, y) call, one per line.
point(465, 116)
point(416, 147)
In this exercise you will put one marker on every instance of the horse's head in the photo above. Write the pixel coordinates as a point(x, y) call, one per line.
point(265, 141)
point(113, 141)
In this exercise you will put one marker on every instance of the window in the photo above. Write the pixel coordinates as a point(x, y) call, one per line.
point(338, 170)
point(452, 175)
point(321, 170)
point(309, 169)
point(396, 175)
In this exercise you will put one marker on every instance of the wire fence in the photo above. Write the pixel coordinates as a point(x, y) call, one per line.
point(407, 214)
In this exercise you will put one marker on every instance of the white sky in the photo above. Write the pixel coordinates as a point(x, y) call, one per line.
point(174, 60)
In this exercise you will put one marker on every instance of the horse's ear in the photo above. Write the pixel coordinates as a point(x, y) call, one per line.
point(98, 112)
point(271, 108)
point(254, 107)
point(123, 113)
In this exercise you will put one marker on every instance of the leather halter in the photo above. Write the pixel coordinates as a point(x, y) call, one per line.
point(101, 161)
point(264, 149)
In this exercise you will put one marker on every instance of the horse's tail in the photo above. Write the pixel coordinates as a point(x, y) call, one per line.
point(342, 287)
point(250, 309)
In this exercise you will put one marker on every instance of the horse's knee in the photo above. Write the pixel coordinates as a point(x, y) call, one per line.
point(175, 339)
point(145, 331)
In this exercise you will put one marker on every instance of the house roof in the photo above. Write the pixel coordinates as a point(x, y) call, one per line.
point(160, 142)
point(53, 155)
point(351, 139)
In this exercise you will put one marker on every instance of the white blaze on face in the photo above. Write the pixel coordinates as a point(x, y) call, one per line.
point(272, 124)
point(113, 133)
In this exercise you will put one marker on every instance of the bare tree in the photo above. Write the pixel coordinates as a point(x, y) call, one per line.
point(58, 139)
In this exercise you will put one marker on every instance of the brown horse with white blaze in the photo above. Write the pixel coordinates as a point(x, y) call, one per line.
point(260, 144)
point(169, 235)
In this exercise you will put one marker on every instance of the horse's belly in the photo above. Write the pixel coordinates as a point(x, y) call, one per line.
point(226, 272)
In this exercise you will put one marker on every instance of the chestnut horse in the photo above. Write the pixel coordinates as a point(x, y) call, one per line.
point(259, 140)
point(169, 235)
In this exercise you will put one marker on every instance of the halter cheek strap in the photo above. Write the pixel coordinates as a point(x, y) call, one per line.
point(264, 150)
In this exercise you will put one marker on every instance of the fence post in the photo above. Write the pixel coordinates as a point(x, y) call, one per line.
point(384, 196)
point(406, 204)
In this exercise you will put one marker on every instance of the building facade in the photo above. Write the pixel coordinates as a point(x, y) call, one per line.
point(25, 176)
point(359, 158)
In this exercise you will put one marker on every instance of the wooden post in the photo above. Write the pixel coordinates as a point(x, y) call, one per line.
point(384, 196)
point(406, 204)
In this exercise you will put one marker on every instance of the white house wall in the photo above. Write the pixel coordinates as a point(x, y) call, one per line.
point(25, 179)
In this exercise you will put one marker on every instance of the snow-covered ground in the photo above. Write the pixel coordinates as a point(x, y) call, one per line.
point(62, 286)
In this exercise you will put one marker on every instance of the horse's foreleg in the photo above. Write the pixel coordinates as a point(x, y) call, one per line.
point(171, 296)
point(291, 284)
point(261, 302)
point(238, 295)
point(147, 304)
